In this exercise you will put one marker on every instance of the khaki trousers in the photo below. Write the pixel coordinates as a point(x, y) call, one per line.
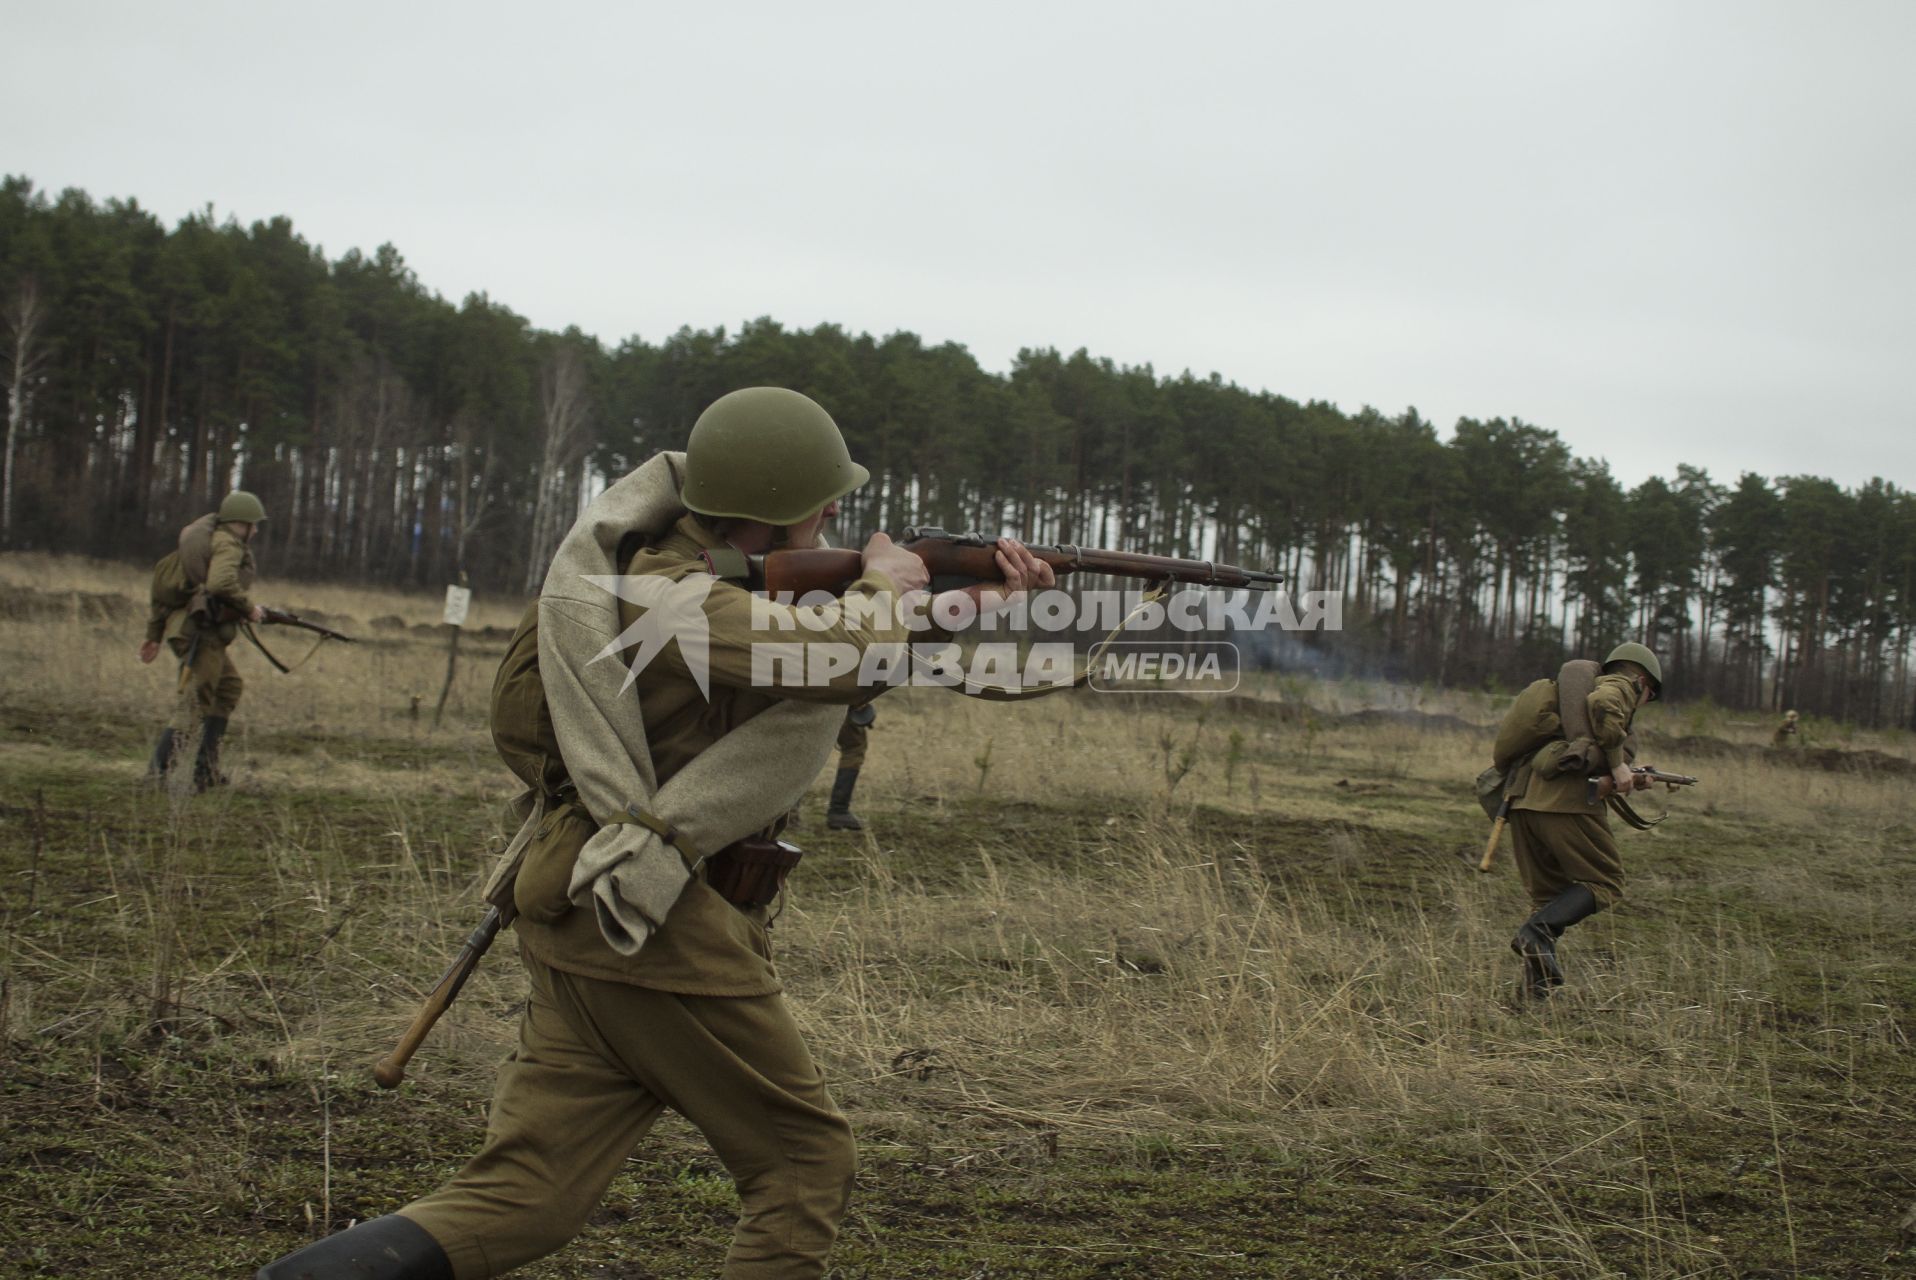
point(212, 685)
point(597, 1062)
point(1556, 850)
point(851, 744)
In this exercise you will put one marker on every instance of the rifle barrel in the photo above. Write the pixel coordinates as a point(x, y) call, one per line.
point(284, 618)
point(972, 555)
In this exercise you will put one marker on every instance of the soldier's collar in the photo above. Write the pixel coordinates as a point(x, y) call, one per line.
point(690, 536)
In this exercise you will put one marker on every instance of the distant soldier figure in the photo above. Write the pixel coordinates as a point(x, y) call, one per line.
point(1785, 734)
point(1553, 740)
point(852, 738)
point(199, 599)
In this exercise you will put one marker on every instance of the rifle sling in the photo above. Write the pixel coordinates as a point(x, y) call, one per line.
point(1621, 807)
point(253, 635)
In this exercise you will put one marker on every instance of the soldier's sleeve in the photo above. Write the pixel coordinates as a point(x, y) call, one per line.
point(1611, 704)
point(156, 616)
point(223, 572)
point(829, 652)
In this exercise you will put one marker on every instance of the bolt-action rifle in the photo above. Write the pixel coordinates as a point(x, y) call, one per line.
point(284, 618)
point(1602, 789)
point(956, 559)
point(1603, 786)
point(224, 611)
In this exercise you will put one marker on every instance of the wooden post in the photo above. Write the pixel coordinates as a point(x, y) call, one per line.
point(458, 601)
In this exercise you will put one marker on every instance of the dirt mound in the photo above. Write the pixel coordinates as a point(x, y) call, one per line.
point(1866, 760)
point(1214, 705)
point(1228, 706)
point(1415, 720)
point(82, 606)
point(104, 607)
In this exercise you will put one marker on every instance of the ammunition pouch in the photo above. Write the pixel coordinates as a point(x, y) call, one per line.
point(750, 873)
point(1490, 790)
point(545, 873)
point(212, 616)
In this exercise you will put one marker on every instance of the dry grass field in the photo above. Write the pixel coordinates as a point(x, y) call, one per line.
point(1115, 986)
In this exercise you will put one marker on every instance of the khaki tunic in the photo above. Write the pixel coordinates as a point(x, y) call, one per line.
point(210, 684)
point(1558, 838)
point(1612, 705)
point(693, 1022)
point(707, 946)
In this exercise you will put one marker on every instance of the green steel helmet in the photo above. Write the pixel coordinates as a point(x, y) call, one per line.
point(766, 453)
point(1641, 655)
point(241, 505)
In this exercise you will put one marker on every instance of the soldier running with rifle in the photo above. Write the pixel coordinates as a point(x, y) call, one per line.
point(648, 862)
point(194, 588)
point(1562, 762)
point(200, 604)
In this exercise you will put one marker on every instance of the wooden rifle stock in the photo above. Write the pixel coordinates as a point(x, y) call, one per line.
point(391, 1069)
point(973, 557)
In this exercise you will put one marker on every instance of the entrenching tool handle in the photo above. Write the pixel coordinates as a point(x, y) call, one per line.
point(1496, 834)
point(391, 1069)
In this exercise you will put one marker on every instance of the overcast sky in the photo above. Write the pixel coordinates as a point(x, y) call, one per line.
point(1669, 231)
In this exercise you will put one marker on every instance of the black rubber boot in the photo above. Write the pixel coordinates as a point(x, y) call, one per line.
point(839, 815)
point(206, 769)
point(162, 762)
point(388, 1248)
point(1536, 939)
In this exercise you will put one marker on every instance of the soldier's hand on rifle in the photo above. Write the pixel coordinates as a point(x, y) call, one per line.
point(1022, 571)
point(905, 570)
point(256, 614)
point(1624, 779)
point(149, 650)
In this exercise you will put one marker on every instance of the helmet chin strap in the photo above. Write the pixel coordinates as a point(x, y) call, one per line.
point(779, 538)
point(782, 533)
